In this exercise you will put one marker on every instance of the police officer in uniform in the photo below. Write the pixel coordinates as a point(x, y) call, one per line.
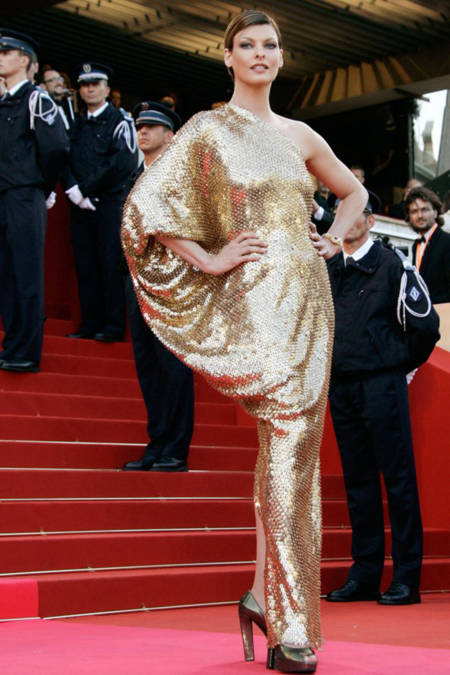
point(370, 410)
point(167, 385)
point(33, 150)
point(103, 156)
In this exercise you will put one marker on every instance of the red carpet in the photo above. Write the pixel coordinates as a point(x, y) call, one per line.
point(53, 648)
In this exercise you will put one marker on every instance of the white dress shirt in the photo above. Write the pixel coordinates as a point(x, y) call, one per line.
point(360, 252)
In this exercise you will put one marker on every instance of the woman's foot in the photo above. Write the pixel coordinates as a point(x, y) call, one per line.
point(291, 659)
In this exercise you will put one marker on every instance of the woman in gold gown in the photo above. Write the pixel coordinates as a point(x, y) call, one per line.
point(231, 279)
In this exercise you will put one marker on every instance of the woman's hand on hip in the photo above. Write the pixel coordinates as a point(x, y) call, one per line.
point(324, 247)
point(247, 246)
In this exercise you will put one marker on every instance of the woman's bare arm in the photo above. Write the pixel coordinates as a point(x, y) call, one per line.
point(323, 163)
point(245, 247)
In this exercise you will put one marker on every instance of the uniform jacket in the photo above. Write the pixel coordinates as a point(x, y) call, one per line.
point(101, 161)
point(368, 336)
point(31, 157)
point(435, 267)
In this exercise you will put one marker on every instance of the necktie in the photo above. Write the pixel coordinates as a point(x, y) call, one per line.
point(421, 240)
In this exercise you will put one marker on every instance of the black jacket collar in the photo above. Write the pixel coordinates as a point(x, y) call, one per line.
point(368, 264)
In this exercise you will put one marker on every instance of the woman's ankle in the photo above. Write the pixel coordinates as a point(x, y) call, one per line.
point(259, 597)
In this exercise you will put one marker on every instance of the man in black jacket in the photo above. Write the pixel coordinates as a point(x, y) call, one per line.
point(33, 150)
point(431, 250)
point(370, 411)
point(103, 156)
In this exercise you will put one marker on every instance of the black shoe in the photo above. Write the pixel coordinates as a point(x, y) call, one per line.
point(169, 464)
point(400, 594)
point(139, 465)
point(353, 591)
point(80, 335)
point(20, 366)
point(107, 337)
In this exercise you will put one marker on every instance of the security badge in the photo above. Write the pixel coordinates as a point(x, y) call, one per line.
point(87, 68)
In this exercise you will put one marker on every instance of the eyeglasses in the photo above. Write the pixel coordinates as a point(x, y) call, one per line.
point(56, 78)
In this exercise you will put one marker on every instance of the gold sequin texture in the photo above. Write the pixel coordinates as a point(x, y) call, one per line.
point(261, 333)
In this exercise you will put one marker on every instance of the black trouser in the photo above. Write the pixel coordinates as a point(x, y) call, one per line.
point(97, 251)
point(167, 387)
point(372, 425)
point(23, 218)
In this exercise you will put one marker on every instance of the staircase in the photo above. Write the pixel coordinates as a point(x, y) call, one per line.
point(77, 535)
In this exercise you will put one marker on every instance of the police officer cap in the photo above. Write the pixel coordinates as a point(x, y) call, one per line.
point(12, 39)
point(89, 71)
point(150, 112)
point(374, 204)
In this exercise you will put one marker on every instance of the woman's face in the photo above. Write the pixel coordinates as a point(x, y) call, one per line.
point(256, 56)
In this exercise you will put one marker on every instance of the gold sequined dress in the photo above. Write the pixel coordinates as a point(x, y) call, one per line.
point(261, 333)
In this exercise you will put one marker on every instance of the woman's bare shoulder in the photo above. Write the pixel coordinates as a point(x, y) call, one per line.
point(299, 132)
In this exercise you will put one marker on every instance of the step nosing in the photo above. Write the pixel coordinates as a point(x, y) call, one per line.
point(143, 608)
point(125, 499)
point(123, 568)
point(160, 530)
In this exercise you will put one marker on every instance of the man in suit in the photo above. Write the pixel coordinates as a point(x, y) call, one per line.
point(103, 156)
point(431, 250)
point(370, 412)
point(167, 385)
point(33, 150)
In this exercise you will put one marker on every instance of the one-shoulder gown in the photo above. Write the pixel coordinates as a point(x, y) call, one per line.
point(261, 333)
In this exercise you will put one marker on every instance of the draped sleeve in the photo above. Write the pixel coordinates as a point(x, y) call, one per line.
point(173, 198)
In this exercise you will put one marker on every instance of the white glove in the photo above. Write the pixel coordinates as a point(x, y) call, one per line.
point(87, 204)
point(50, 201)
point(74, 194)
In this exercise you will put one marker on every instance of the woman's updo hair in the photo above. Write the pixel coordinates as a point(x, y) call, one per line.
point(250, 17)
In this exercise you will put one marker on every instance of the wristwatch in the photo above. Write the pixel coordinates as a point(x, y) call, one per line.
point(336, 241)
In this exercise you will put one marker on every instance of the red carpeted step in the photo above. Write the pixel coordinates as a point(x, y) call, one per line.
point(84, 592)
point(73, 593)
point(135, 514)
point(91, 385)
point(78, 515)
point(72, 429)
point(97, 484)
point(60, 383)
point(35, 454)
point(101, 407)
point(19, 598)
point(87, 365)
point(33, 484)
point(24, 427)
point(54, 344)
point(72, 552)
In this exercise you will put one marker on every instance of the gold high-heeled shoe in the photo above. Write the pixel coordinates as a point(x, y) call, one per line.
point(291, 659)
point(250, 611)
